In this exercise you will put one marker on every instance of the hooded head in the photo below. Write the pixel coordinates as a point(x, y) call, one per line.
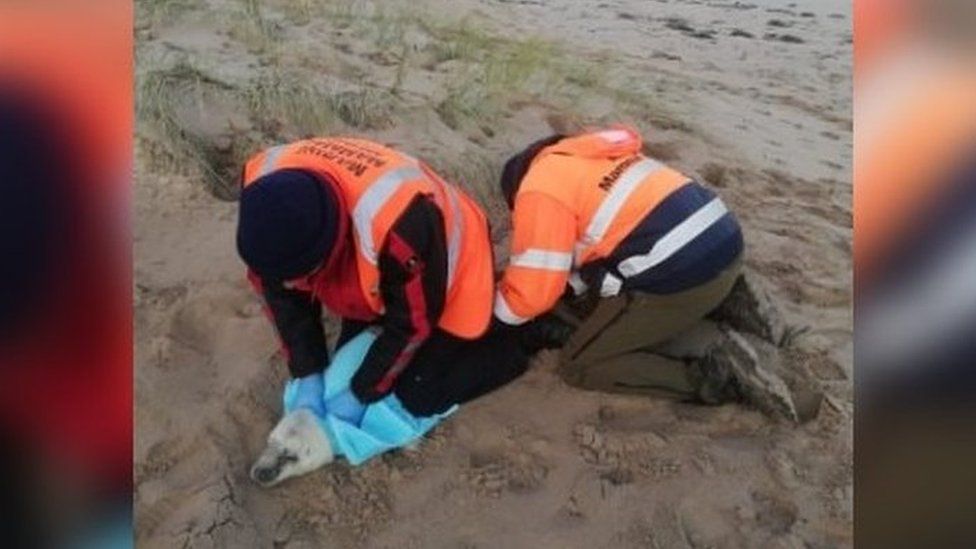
point(516, 167)
point(288, 224)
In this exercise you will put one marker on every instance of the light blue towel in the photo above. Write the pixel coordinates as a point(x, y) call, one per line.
point(386, 424)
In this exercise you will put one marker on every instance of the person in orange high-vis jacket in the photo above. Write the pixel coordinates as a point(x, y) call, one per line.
point(655, 251)
point(382, 241)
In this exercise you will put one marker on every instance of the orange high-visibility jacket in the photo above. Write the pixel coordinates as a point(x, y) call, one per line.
point(377, 184)
point(578, 200)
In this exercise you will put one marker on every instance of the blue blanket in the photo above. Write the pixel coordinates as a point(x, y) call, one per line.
point(386, 424)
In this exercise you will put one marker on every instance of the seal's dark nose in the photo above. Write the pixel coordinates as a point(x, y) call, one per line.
point(264, 475)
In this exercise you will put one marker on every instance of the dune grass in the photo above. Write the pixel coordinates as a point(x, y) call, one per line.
point(465, 102)
point(365, 108)
point(253, 29)
point(462, 40)
point(286, 107)
point(279, 107)
point(482, 77)
point(388, 29)
point(488, 72)
point(160, 95)
point(497, 72)
point(301, 12)
point(492, 74)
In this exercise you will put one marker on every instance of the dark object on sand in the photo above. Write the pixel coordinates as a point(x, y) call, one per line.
point(742, 33)
point(787, 38)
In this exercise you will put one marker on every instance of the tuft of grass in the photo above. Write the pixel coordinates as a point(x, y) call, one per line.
point(465, 102)
point(583, 75)
point(503, 63)
point(388, 30)
point(281, 105)
point(367, 108)
point(256, 32)
point(493, 73)
point(160, 95)
point(463, 42)
point(518, 65)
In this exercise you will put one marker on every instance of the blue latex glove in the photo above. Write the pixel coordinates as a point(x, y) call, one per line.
point(347, 407)
point(309, 392)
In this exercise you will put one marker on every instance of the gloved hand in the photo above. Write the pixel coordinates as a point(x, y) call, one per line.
point(310, 392)
point(346, 407)
point(364, 382)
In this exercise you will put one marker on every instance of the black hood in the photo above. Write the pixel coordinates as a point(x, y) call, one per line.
point(516, 166)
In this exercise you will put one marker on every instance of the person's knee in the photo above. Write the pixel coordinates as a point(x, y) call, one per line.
point(518, 364)
point(421, 407)
point(421, 399)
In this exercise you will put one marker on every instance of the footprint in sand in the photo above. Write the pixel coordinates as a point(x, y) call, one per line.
point(495, 471)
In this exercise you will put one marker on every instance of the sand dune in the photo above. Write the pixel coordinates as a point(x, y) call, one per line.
point(753, 97)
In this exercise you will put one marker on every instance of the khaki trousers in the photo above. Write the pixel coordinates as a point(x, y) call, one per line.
point(612, 349)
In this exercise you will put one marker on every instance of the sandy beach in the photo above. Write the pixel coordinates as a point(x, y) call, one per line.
point(751, 97)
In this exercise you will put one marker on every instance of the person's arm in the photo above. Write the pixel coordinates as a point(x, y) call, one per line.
point(413, 283)
point(349, 330)
point(297, 318)
point(543, 237)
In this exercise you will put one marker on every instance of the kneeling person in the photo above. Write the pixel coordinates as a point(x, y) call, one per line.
point(380, 240)
point(656, 250)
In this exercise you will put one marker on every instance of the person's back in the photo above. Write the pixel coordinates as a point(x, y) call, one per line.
point(591, 208)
